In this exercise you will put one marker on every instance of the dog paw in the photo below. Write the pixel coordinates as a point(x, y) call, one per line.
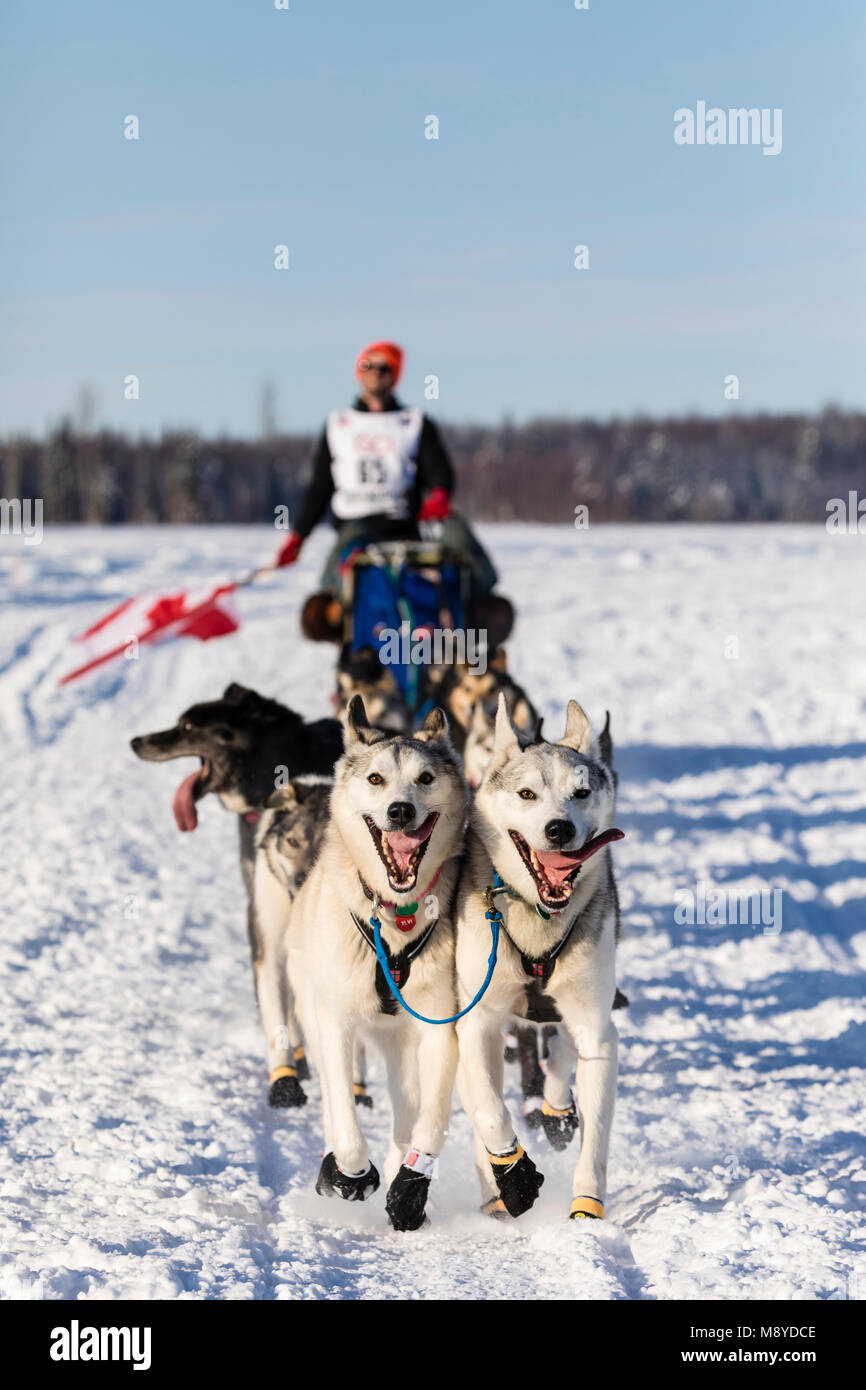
point(352, 1187)
point(495, 1208)
point(586, 1209)
point(517, 1179)
point(407, 1195)
point(286, 1091)
point(560, 1126)
point(302, 1066)
point(532, 1117)
point(361, 1095)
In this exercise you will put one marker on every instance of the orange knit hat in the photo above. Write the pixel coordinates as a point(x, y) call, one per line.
point(392, 354)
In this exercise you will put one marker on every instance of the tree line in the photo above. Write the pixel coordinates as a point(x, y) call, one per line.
point(739, 468)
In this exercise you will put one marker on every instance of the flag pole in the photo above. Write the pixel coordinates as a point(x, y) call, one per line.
point(182, 620)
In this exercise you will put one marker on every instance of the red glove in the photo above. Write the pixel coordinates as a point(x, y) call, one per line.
point(290, 551)
point(436, 506)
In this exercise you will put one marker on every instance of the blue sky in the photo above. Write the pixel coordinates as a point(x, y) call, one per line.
point(306, 127)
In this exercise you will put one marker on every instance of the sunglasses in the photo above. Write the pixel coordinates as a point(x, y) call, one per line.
point(376, 367)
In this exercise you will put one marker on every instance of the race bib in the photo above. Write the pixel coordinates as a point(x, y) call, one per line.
point(373, 461)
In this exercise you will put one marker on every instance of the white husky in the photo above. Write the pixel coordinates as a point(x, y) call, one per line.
point(542, 818)
point(398, 817)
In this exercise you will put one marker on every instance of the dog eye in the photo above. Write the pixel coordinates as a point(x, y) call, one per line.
point(225, 735)
point(527, 794)
point(580, 793)
point(375, 779)
point(426, 778)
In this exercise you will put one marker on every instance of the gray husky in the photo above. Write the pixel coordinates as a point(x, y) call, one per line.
point(524, 1043)
point(390, 852)
point(541, 823)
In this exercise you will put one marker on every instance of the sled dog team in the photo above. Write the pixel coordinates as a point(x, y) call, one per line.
point(374, 854)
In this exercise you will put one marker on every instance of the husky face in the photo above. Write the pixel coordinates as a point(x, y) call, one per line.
point(398, 802)
point(543, 809)
point(293, 832)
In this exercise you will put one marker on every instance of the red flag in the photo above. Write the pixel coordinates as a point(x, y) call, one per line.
point(196, 613)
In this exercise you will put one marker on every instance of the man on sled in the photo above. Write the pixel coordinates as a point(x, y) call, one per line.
point(381, 467)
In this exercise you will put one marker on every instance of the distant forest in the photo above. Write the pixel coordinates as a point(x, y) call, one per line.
point(741, 468)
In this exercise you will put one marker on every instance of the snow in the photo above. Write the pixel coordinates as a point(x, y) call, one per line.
point(140, 1159)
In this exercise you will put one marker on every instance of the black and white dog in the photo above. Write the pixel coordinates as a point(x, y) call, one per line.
point(256, 756)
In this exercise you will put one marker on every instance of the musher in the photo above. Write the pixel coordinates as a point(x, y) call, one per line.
point(381, 467)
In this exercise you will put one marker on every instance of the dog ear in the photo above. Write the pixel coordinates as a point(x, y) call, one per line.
point(522, 715)
point(282, 798)
point(579, 733)
point(357, 722)
point(271, 711)
point(235, 693)
point(357, 727)
point(505, 738)
point(605, 742)
point(435, 727)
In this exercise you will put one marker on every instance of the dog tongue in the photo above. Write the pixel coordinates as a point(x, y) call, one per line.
point(403, 843)
point(183, 805)
point(558, 866)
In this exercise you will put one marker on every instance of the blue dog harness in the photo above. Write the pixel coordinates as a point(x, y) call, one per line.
point(393, 971)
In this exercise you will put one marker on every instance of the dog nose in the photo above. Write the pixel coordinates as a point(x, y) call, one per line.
point(135, 744)
point(559, 832)
point(401, 812)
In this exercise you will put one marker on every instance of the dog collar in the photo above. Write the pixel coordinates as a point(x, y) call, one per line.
point(404, 916)
point(536, 967)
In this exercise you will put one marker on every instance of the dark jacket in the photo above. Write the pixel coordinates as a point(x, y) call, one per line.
point(433, 470)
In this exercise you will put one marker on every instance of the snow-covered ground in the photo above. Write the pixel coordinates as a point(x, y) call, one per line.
point(139, 1157)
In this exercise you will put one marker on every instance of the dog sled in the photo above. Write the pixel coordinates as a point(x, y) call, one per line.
point(405, 603)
